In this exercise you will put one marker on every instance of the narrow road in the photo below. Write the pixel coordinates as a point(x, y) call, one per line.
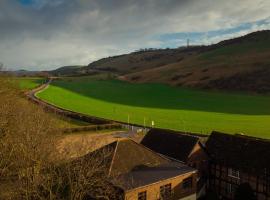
point(32, 93)
point(132, 129)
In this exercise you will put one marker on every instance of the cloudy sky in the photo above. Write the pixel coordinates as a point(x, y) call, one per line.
point(45, 34)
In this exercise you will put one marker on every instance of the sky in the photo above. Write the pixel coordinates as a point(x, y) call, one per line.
point(46, 34)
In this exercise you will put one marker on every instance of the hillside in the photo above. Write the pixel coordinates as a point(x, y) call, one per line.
point(142, 60)
point(236, 64)
point(67, 70)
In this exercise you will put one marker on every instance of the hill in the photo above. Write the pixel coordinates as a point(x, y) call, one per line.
point(67, 70)
point(236, 64)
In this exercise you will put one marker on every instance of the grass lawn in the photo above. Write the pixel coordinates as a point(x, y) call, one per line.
point(29, 83)
point(169, 107)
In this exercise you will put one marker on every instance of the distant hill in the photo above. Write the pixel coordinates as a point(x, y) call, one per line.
point(25, 73)
point(67, 70)
point(237, 64)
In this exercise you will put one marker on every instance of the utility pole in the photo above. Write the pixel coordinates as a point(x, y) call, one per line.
point(144, 122)
point(187, 42)
point(153, 123)
point(128, 122)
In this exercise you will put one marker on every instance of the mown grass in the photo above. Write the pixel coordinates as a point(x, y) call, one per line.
point(169, 107)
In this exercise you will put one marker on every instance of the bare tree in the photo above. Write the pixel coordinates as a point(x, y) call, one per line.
point(28, 156)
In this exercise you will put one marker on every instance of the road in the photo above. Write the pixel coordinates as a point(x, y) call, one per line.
point(132, 129)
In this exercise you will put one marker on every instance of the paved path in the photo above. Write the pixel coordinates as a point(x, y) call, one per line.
point(133, 128)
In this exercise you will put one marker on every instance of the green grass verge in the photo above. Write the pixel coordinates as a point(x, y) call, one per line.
point(169, 107)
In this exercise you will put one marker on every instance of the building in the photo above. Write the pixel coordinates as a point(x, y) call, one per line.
point(178, 146)
point(145, 175)
point(238, 161)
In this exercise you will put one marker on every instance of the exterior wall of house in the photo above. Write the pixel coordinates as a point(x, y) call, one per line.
point(199, 160)
point(225, 184)
point(178, 190)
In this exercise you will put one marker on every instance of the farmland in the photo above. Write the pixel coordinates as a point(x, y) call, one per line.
point(29, 82)
point(169, 107)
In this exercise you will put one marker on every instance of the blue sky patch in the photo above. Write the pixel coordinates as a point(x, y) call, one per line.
point(174, 40)
point(26, 2)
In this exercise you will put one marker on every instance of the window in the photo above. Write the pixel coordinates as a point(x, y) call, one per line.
point(166, 191)
point(142, 195)
point(231, 188)
point(233, 173)
point(187, 183)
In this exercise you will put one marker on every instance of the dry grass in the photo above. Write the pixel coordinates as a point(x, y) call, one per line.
point(72, 146)
point(29, 165)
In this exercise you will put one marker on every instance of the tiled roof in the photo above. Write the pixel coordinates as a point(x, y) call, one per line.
point(125, 155)
point(130, 162)
point(241, 152)
point(148, 175)
point(174, 144)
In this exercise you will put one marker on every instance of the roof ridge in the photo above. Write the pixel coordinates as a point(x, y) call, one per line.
point(240, 135)
point(114, 153)
point(150, 150)
point(194, 135)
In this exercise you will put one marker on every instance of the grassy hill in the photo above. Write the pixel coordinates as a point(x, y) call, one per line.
point(237, 64)
point(169, 107)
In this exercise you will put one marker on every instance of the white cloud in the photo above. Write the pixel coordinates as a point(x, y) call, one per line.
point(65, 32)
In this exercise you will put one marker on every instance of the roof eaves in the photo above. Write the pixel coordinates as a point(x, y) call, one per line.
point(172, 178)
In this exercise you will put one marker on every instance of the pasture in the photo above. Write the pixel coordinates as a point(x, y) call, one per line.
point(169, 107)
point(28, 83)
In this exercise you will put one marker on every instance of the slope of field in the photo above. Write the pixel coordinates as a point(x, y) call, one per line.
point(169, 107)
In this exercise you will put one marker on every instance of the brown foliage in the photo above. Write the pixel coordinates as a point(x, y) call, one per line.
point(28, 156)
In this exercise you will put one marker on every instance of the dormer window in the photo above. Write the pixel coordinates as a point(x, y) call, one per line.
point(234, 173)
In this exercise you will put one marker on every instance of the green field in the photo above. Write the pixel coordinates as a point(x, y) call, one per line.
point(169, 107)
point(29, 83)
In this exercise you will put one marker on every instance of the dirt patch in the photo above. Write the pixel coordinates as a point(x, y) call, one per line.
point(72, 146)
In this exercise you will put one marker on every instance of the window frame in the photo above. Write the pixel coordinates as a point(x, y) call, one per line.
point(187, 183)
point(234, 173)
point(142, 195)
point(231, 188)
point(165, 191)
